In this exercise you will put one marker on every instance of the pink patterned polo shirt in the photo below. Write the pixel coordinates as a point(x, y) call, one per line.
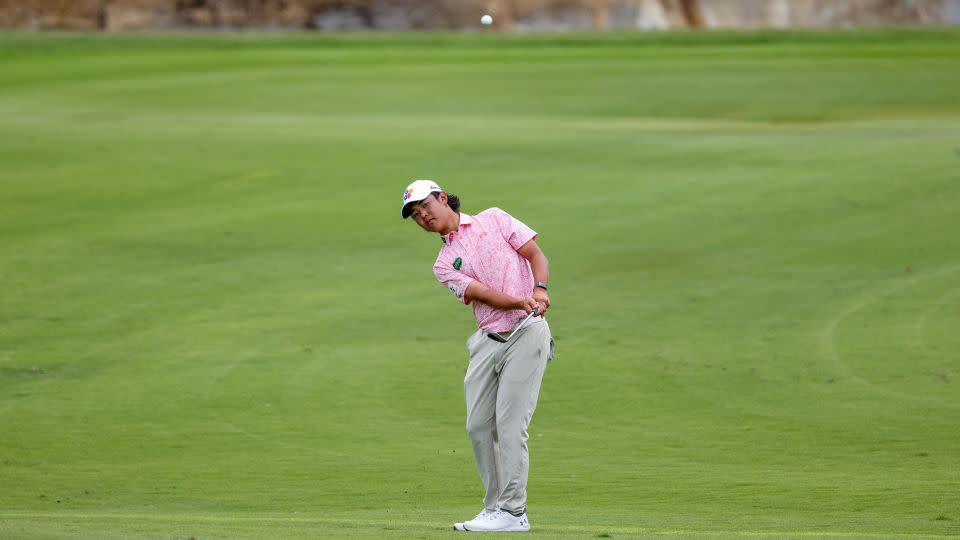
point(484, 248)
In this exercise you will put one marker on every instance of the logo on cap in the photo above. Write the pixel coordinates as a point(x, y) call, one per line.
point(407, 194)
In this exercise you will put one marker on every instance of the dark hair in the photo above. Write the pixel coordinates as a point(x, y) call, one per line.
point(452, 201)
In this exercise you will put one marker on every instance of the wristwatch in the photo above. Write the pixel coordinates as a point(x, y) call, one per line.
point(541, 284)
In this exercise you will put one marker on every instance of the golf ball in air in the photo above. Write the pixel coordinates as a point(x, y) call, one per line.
point(486, 19)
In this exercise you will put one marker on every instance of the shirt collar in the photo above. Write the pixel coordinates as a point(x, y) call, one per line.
point(465, 219)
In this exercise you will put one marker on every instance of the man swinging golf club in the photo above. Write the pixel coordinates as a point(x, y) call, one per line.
point(492, 261)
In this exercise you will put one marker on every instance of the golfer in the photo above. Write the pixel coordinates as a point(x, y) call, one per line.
point(492, 262)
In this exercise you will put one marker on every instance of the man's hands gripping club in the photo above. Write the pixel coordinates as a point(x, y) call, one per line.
point(479, 292)
point(541, 297)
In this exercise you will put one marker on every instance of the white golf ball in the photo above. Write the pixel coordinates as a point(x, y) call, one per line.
point(486, 19)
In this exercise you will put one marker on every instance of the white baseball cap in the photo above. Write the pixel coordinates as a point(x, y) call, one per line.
point(415, 192)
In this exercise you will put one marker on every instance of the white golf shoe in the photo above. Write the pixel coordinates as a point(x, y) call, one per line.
point(499, 521)
point(460, 526)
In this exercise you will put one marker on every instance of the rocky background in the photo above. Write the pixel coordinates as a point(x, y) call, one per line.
point(520, 15)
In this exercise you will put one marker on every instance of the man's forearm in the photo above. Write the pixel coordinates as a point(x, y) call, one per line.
point(540, 267)
point(479, 292)
point(539, 264)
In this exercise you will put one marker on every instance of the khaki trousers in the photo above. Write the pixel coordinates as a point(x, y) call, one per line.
point(501, 387)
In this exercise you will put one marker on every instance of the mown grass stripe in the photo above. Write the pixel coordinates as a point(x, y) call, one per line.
point(599, 528)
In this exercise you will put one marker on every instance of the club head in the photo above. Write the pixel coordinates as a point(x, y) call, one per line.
point(497, 337)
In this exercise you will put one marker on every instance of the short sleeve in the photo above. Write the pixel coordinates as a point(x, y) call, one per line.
point(514, 231)
point(455, 281)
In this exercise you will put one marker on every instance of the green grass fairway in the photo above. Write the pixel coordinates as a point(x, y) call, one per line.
point(214, 323)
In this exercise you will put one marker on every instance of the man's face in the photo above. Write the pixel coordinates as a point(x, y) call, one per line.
point(430, 212)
